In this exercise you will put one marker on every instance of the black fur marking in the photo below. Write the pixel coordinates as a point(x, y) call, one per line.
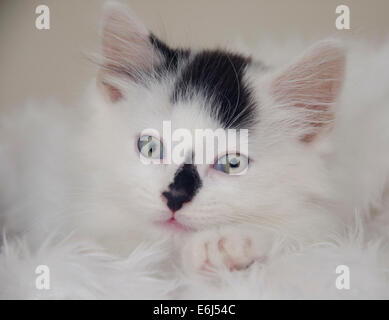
point(184, 187)
point(218, 77)
point(171, 57)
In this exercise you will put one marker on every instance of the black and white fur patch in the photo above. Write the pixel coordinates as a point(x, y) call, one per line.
point(215, 75)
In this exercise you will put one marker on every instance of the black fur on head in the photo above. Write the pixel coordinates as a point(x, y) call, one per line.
point(215, 75)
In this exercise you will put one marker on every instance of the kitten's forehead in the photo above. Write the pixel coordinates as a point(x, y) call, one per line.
point(216, 79)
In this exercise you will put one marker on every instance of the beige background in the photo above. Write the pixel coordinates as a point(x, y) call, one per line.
point(53, 63)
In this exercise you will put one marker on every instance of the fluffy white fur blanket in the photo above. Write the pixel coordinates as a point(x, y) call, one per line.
point(79, 271)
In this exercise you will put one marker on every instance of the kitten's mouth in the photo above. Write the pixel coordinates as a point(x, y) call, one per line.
point(174, 225)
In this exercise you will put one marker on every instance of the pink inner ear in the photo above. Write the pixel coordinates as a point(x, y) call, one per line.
point(126, 48)
point(114, 94)
point(124, 42)
point(312, 83)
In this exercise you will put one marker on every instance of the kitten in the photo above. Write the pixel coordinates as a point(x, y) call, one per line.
point(286, 188)
point(80, 169)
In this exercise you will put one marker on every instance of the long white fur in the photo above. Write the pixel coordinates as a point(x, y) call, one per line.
point(82, 271)
point(75, 170)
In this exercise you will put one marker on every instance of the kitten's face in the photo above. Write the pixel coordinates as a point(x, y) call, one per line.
point(147, 83)
point(198, 195)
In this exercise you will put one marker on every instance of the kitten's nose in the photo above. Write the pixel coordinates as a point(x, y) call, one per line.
point(183, 188)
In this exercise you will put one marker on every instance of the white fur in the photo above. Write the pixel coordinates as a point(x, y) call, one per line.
point(80, 271)
point(76, 170)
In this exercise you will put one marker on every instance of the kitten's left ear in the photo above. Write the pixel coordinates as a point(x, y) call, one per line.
point(311, 86)
point(126, 48)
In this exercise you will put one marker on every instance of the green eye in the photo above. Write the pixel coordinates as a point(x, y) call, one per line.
point(232, 164)
point(150, 147)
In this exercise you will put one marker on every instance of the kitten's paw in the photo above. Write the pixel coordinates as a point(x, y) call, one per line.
point(219, 249)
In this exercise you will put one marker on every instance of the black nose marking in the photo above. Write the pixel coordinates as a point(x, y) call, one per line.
point(184, 187)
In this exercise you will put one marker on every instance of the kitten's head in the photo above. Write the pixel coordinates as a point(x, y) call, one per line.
point(145, 82)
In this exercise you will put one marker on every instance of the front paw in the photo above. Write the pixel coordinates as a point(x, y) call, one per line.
point(222, 249)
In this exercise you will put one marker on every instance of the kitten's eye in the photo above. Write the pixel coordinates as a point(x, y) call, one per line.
point(232, 164)
point(150, 147)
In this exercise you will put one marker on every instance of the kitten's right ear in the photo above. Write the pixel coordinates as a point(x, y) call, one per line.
point(310, 87)
point(126, 49)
